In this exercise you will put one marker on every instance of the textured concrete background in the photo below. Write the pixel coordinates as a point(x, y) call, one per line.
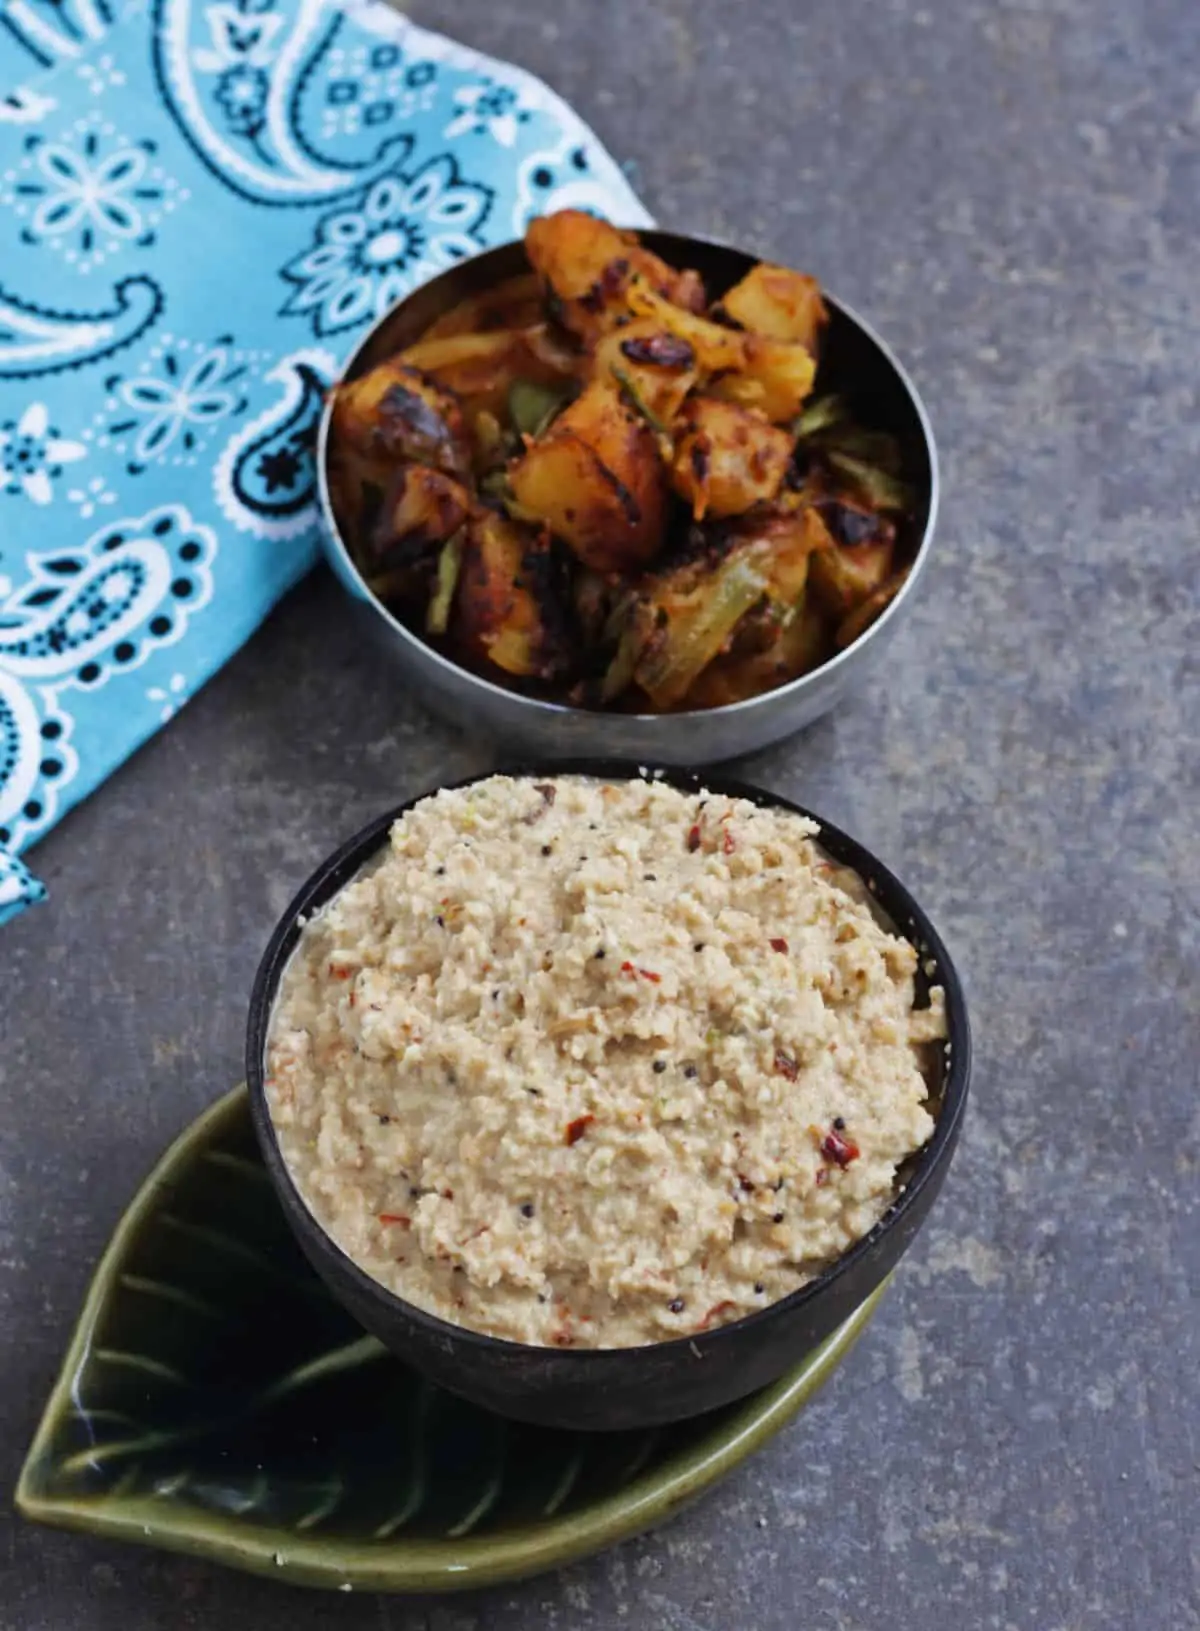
point(1011, 190)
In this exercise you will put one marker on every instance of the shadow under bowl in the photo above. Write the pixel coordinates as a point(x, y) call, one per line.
point(617, 1388)
point(855, 362)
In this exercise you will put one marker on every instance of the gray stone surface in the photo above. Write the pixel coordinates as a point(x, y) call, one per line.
point(1011, 190)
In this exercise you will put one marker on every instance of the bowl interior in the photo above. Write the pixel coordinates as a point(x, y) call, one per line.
point(948, 1064)
point(855, 362)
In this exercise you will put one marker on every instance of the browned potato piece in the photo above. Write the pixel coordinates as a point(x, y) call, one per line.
point(586, 265)
point(716, 348)
point(480, 368)
point(780, 303)
point(802, 644)
point(422, 507)
point(657, 364)
point(497, 617)
point(395, 412)
point(773, 375)
point(596, 480)
point(515, 303)
point(843, 577)
point(727, 458)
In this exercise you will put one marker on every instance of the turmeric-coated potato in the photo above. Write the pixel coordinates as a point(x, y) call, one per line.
point(595, 479)
point(714, 347)
point(656, 366)
point(780, 303)
point(774, 376)
point(421, 508)
point(586, 265)
point(727, 457)
point(396, 412)
point(502, 613)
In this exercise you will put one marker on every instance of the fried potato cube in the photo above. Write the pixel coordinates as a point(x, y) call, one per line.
point(502, 613)
point(657, 365)
point(421, 508)
point(714, 347)
point(774, 376)
point(780, 303)
point(586, 265)
point(396, 412)
point(596, 480)
point(727, 457)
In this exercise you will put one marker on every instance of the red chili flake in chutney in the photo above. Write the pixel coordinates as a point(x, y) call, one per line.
point(577, 1128)
point(787, 1066)
point(714, 1312)
point(646, 973)
point(779, 944)
point(729, 843)
point(395, 1217)
point(836, 1147)
point(693, 838)
point(822, 1177)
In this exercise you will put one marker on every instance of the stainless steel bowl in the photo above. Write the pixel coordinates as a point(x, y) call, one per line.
point(855, 360)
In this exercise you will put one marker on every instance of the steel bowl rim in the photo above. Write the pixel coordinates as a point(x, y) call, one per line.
point(369, 839)
point(557, 710)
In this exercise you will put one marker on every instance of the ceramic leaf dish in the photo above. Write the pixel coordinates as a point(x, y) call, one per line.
point(215, 1400)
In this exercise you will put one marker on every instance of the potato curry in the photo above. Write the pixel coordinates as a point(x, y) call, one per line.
point(595, 485)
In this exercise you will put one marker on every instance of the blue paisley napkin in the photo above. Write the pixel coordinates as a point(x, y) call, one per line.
point(201, 207)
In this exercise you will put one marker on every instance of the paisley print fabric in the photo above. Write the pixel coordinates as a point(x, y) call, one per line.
point(158, 404)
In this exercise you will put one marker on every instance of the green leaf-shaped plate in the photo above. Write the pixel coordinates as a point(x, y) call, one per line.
point(215, 1400)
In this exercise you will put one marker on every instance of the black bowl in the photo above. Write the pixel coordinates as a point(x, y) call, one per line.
point(664, 1381)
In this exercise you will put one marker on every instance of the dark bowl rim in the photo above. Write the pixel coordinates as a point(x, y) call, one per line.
point(347, 860)
point(541, 705)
